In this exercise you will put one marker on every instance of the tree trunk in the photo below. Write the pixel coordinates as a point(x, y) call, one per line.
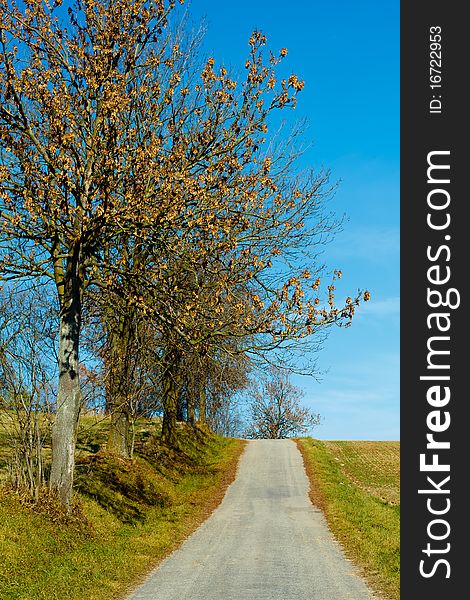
point(118, 406)
point(190, 407)
point(120, 386)
point(64, 430)
point(202, 402)
point(182, 409)
point(119, 432)
point(170, 389)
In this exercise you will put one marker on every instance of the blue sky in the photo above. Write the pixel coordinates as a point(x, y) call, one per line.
point(348, 55)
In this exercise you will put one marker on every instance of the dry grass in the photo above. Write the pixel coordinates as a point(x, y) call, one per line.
point(129, 516)
point(372, 466)
point(357, 486)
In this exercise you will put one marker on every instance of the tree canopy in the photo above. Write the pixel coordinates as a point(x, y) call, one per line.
point(143, 180)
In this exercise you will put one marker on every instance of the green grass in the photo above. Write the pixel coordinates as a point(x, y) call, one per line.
point(131, 514)
point(128, 516)
point(356, 484)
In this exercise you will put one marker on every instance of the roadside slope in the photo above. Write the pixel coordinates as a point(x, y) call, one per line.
point(357, 486)
point(130, 515)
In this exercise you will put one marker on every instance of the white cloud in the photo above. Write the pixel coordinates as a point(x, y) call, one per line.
point(372, 244)
point(381, 308)
point(359, 400)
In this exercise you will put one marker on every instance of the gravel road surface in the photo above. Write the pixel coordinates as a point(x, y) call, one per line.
point(264, 542)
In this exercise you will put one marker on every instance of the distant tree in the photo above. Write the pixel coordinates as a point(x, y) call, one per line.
point(227, 380)
point(276, 412)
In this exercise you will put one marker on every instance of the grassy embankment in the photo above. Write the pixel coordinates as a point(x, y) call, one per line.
point(357, 486)
point(128, 515)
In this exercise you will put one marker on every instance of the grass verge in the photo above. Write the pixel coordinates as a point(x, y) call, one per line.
point(129, 515)
point(356, 485)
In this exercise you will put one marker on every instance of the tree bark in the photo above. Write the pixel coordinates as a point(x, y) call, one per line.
point(182, 409)
point(202, 402)
point(119, 387)
point(170, 388)
point(119, 432)
point(64, 430)
point(191, 414)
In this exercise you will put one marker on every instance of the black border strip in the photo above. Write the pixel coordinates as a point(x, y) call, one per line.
point(434, 568)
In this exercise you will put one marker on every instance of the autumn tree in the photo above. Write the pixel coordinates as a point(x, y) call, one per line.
point(124, 165)
point(209, 382)
point(245, 218)
point(244, 266)
point(275, 410)
point(74, 169)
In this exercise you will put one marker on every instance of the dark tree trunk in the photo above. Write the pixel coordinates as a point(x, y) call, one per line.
point(119, 431)
point(190, 408)
point(120, 384)
point(202, 402)
point(182, 410)
point(171, 382)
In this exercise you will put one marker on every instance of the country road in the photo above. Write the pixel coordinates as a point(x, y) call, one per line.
point(264, 542)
